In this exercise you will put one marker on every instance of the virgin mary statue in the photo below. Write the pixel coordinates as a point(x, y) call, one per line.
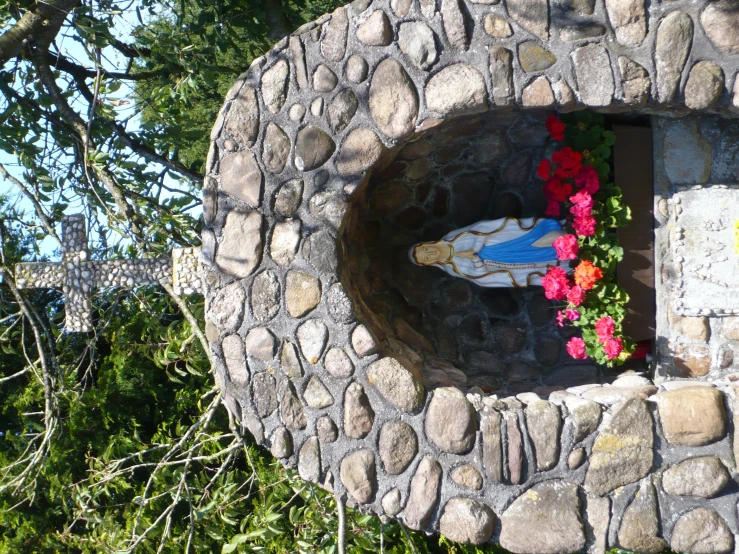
point(500, 253)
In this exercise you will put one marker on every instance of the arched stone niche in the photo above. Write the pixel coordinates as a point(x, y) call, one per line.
point(307, 364)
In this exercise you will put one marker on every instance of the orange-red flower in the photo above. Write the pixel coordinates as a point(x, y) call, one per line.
point(587, 274)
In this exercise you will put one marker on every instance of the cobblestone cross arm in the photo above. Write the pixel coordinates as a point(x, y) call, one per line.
point(77, 275)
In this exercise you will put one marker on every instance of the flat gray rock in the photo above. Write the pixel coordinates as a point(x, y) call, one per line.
point(316, 395)
point(393, 99)
point(235, 359)
point(360, 150)
point(324, 80)
point(242, 120)
point(623, 450)
point(455, 28)
point(274, 85)
point(467, 521)
point(639, 524)
point(585, 416)
point(533, 57)
point(288, 198)
point(692, 416)
point(492, 449)
point(501, 71)
point(451, 421)
point(290, 360)
point(339, 304)
point(302, 293)
point(720, 21)
point(391, 502)
point(705, 85)
point(358, 475)
point(265, 296)
point(282, 443)
point(326, 430)
point(240, 250)
point(309, 460)
point(275, 149)
point(333, 45)
point(291, 409)
point(356, 68)
point(396, 384)
point(342, 110)
point(227, 307)
point(544, 425)
point(467, 476)
point(635, 81)
point(242, 178)
point(362, 342)
point(285, 241)
point(532, 15)
point(594, 76)
point(260, 344)
point(674, 39)
point(424, 494)
point(416, 40)
point(545, 520)
point(515, 448)
point(358, 413)
point(375, 30)
point(320, 251)
point(629, 20)
point(704, 477)
point(264, 393)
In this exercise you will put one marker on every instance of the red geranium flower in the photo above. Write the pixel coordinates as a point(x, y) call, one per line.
point(566, 247)
point(587, 179)
point(556, 190)
point(605, 327)
point(576, 348)
point(555, 127)
point(556, 284)
point(576, 296)
point(583, 204)
point(613, 347)
point(584, 226)
point(552, 209)
point(544, 169)
point(569, 162)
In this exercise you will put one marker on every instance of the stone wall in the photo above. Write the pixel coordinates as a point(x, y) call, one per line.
point(299, 138)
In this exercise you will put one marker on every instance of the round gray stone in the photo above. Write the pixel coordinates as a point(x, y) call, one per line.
point(423, 495)
point(240, 250)
point(333, 45)
point(265, 296)
point(291, 410)
point(329, 207)
point(674, 39)
point(356, 68)
point(534, 57)
point(290, 360)
point(339, 304)
point(455, 90)
point(705, 85)
point(497, 26)
point(302, 293)
point(576, 458)
point(702, 531)
point(594, 75)
point(362, 342)
point(398, 445)
point(326, 429)
point(282, 443)
point(392, 502)
point(242, 120)
point(338, 363)
point(467, 521)
point(467, 476)
point(285, 241)
point(704, 477)
point(313, 148)
point(451, 421)
point(312, 337)
point(288, 198)
point(393, 100)
point(260, 344)
point(297, 112)
point(544, 425)
point(324, 80)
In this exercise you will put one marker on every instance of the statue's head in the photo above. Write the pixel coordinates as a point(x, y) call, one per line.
point(430, 253)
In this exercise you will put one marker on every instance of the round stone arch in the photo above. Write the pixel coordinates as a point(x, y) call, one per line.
point(331, 389)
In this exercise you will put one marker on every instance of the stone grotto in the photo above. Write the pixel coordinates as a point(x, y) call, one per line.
point(428, 399)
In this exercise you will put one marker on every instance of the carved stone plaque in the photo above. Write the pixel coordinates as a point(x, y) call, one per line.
point(706, 251)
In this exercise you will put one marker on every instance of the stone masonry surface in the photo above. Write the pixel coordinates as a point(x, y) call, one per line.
point(350, 400)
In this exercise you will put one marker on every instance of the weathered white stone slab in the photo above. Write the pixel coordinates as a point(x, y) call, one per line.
point(706, 251)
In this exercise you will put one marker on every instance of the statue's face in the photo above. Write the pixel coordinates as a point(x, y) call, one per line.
point(428, 254)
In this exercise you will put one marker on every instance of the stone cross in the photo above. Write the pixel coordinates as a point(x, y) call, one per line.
point(76, 274)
